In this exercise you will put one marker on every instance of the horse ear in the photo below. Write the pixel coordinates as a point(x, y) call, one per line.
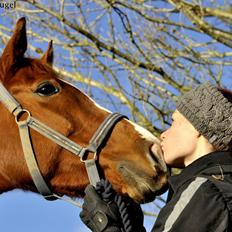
point(16, 47)
point(48, 55)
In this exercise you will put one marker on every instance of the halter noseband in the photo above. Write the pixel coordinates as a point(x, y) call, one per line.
point(94, 144)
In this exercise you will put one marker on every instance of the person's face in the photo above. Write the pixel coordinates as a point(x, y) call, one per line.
point(179, 142)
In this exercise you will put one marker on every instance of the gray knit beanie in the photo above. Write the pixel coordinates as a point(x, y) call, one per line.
point(210, 113)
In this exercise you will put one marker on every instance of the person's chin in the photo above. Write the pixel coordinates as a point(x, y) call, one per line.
point(173, 163)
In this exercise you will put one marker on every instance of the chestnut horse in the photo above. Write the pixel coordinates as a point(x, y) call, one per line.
point(125, 158)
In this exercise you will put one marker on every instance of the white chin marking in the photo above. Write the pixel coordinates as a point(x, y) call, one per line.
point(144, 133)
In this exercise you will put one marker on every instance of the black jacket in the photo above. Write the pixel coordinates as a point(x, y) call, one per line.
point(200, 197)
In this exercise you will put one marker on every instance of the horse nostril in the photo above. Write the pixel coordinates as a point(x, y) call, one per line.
point(154, 156)
point(157, 156)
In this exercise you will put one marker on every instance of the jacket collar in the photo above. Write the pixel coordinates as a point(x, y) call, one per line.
point(213, 159)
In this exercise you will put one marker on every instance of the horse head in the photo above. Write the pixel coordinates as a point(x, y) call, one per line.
point(125, 158)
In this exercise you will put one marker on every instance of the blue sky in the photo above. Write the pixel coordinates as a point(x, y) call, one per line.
point(28, 212)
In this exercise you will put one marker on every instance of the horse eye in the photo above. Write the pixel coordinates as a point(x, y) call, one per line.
point(46, 89)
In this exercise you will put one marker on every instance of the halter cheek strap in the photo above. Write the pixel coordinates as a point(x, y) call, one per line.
point(96, 141)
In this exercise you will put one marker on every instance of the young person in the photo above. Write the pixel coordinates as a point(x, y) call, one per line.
point(200, 197)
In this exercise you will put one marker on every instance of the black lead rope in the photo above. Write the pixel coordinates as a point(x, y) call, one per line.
point(104, 188)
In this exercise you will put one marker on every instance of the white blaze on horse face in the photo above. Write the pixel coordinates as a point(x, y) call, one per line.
point(100, 107)
point(156, 149)
point(144, 133)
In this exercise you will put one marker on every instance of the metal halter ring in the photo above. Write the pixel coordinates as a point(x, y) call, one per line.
point(20, 114)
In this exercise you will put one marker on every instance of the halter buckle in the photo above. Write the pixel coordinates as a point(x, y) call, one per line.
point(90, 165)
point(82, 154)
